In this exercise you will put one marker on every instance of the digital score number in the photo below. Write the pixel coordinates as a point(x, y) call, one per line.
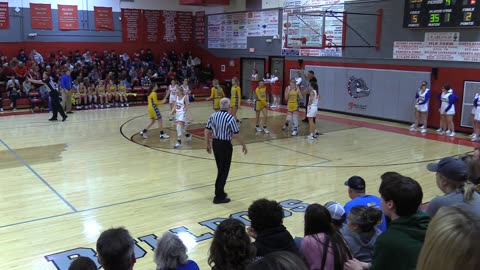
point(441, 13)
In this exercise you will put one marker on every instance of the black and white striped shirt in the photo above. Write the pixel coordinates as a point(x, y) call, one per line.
point(223, 125)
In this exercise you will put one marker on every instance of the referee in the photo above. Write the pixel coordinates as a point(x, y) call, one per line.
point(224, 127)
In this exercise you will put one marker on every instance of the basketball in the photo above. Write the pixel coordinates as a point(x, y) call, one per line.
point(36, 109)
point(287, 25)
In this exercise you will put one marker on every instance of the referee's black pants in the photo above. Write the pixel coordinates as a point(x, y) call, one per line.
point(56, 106)
point(222, 150)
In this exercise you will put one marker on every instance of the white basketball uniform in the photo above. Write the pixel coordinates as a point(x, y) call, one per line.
point(477, 96)
point(180, 109)
point(313, 108)
point(420, 99)
point(445, 101)
point(186, 90)
point(476, 111)
point(173, 93)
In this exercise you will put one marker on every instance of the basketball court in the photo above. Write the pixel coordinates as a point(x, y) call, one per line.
point(64, 183)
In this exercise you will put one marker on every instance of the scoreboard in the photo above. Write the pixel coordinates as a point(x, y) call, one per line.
point(441, 13)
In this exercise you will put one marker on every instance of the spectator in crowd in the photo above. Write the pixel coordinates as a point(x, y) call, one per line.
point(361, 233)
point(20, 72)
point(86, 56)
point(267, 228)
point(22, 56)
point(13, 91)
point(399, 246)
point(27, 87)
point(37, 57)
point(451, 177)
point(231, 248)
point(357, 192)
point(171, 254)
point(115, 248)
point(280, 260)
point(473, 167)
point(323, 246)
point(337, 212)
point(83, 263)
point(452, 241)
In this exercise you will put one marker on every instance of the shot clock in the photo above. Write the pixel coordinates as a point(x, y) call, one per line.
point(441, 13)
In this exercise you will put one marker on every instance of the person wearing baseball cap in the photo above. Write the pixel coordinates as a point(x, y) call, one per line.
point(451, 178)
point(357, 192)
point(338, 214)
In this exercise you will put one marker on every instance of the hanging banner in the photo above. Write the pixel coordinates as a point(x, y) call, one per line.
point(103, 17)
point(184, 29)
point(200, 27)
point(41, 16)
point(4, 23)
point(151, 25)
point(131, 24)
point(67, 17)
point(437, 50)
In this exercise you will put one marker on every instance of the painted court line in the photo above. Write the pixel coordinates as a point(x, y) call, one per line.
point(39, 177)
point(148, 197)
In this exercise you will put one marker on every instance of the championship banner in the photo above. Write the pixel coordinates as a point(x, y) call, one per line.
point(200, 27)
point(4, 23)
point(131, 24)
point(103, 17)
point(151, 26)
point(41, 16)
point(67, 17)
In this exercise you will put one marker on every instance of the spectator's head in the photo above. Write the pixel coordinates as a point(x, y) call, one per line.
point(224, 104)
point(401, 196)
point(83, 263)
point(115, 249)
point(452, 175)
point(363, 218)
point(45, 75)
point(231, 248)
point(265, 214)
point(337, 212)
point(170, 252)
point(451, 241)
point(317, 220)
point(473, 168)
point(280, 260)
point(356, 186)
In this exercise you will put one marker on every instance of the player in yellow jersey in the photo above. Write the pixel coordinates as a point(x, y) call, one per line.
point(293, 95)
point(216, 95)
point(92, 96)
point(102, 95)
point(122, 93)
point(235, 98)
point(154, 112)
point(261, 106)
point(111, 93)
point(81, 96)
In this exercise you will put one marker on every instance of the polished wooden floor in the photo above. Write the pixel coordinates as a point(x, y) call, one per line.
point(63, 183)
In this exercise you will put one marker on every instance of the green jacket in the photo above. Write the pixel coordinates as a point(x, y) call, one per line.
point(398, 248)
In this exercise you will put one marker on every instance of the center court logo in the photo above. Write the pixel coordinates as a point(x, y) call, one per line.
point(357, 88)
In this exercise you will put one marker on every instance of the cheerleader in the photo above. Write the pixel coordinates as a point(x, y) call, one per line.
point(111, 93)
point(102, 95)
point(216, 94)
point(276, 90)
point(476, 117)
point(92, 96)
point(180, 109)
point(253, 84)
point(312, 110)
point(81, 97)
point(447, 111)
point(293, 95)
point(261, 106)
point(122, 93)
point(235, 97)
point(421, 108)
point(171, 95)
point(154, 112)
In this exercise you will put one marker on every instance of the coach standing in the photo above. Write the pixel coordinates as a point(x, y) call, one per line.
point(224, 127)
point(67, 89)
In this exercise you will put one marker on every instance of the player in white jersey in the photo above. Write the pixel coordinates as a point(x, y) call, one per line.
point(447, 111)
point(171, 95)
point(422, 99)
point(187, 91)
point(253, 84)
point(180, 109)
point(312, 109)
point(476, 117)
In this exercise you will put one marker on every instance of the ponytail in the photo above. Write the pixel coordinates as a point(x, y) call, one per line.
point(468, 189)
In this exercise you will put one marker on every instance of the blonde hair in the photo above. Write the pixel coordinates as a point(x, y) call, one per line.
point(464, 187)
point(451, 241)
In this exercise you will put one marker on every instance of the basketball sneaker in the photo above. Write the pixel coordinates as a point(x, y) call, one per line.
point(412, 125)
point(143, 134)
point(475, 138)
point(448, 132)
point(284, 127)
point(178, 145)
point(164, 136)
point(440, 131)
point(258, 129)
point(413, 129)
point(472, 135)
point(424, 130)
point(451, 134)
point(310, 137)
point(295, 132)
point(265, 130)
